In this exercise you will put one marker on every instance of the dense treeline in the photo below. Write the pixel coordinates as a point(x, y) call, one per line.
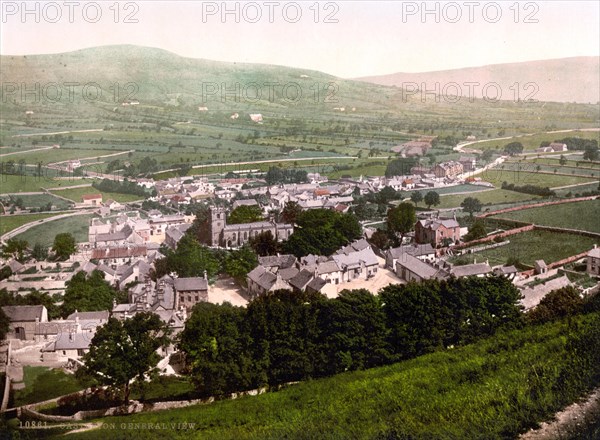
point(529, 189)
point(125, 187)
point(277, 175)
point(287, 336)
point(575, 143)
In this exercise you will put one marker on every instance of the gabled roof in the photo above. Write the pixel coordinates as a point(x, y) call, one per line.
point(594, 253)
point(192, 283)
point(92, 316)
point(354, 259)
point(415, 250)
point(316, 284)
point(471, 269)
point(281, 261)
point(301, 280)
point(24, 313)
point(421, 269)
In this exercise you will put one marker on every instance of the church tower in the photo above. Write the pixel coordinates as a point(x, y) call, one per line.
point(217, 224)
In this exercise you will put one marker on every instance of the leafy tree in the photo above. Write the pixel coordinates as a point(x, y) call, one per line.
point(513, 148)
point(380, 239)
point(355, 334)
point(471, 205)
point(431, 199)
point(290, 212)
point(122, 351)
point(265, 244)
point(245, 214)
point(386, 195)
point(39, 252)
point(487, 155)
point(557, 304)
point(476, 231)
point(239, 262)
point(15, 248)
point(591, 154)
point(64, 246)
point(322, 232)
point(216, 345)
point(401, 219)
point(400, 166)
point(416, 197)
point(190, 259)
point(562, 160)
point(4, 324)
point(87, 293)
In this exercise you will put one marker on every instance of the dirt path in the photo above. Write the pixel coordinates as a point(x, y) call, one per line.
point(568, 422)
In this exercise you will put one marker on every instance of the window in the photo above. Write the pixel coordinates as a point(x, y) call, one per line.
point(64, 352)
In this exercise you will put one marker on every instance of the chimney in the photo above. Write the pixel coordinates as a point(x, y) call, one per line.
point(205, 276)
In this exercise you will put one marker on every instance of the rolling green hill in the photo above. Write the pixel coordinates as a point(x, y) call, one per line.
point(494, 389)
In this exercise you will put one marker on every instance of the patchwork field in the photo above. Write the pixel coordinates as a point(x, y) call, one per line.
point(11, 184)
point(579, 215)
point(45, 233)
point(534, 245)
point(39, 200)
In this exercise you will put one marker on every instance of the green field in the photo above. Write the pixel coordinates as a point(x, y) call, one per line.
point(533, 245)
point(75, 194)
point(497, 176)
point(531, 142)
point(10, 222)
point(495, 389)
point(579, 215)
point(45, 233)
point(10, 184)
point(39, 200)
point(42, 383)
point(493, 197)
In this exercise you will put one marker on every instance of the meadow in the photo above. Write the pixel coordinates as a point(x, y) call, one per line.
point(497, 176)
point(533, 141)
point(527, 247)
point(44, 234)
point(578, 215)
point(10, 222)
point(492, 197)
point(75, 194)
point(43, 383)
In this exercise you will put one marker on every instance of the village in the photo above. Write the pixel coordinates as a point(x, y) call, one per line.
point(124, 245)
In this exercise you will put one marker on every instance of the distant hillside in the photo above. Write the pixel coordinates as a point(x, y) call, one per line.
point(167, 78)
point(560, 80)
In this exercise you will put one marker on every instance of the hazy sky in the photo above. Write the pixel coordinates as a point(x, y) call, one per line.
point(368, 38)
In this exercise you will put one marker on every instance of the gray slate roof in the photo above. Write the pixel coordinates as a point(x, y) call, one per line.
point(23, 313)
point(193, 283)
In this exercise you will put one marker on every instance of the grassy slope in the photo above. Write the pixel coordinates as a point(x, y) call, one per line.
point(579, 215)
point(76, 193)
point(532, 142)
point(482, 391)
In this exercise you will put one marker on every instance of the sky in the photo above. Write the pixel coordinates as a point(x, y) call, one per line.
point(343, 38)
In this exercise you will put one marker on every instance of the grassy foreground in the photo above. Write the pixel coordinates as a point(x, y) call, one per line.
point(494, 389)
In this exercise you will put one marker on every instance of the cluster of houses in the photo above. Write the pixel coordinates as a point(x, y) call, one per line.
point(312, 272)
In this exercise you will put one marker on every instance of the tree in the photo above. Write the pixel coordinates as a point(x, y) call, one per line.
point(513, 148)
point(591, 154)
point(64, 246)
point(39, 252)
point(190, 259)
point(122, 351)
point(239, 262)
point(400, 166)
point(4, 324)
point(290, 212)
point(471, 205)
point(380, 239)
point(416, 197)
point(562, 160)
point(476, 231)
point(88, 293)
point(245, 214)
point(216, 347)
point(557, 304)
point(401, 219)
point(15, 248)
point(431, 198)
point(487, 155)
point(265, 244)
point(322, 232)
